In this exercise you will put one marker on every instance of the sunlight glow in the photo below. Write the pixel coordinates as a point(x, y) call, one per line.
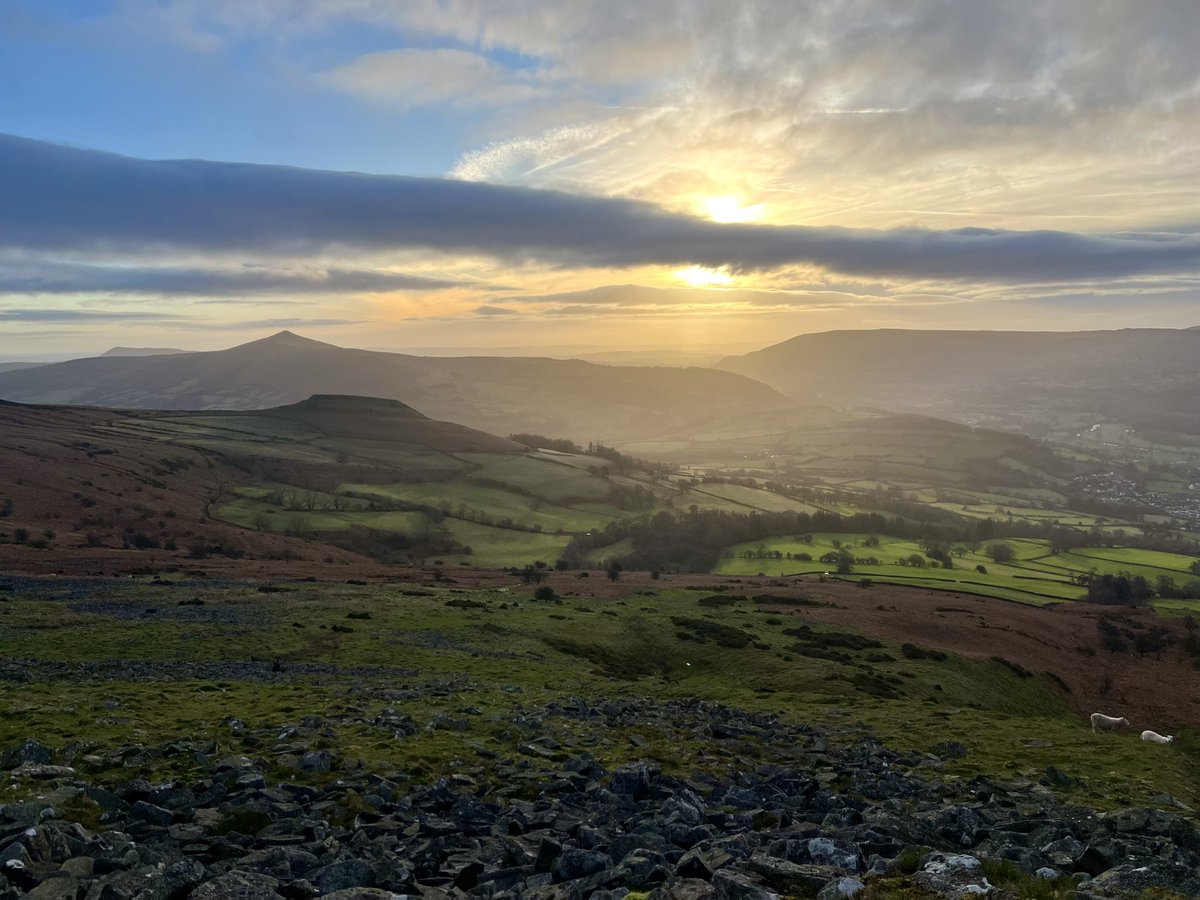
point(701, 276)
point(730, 209)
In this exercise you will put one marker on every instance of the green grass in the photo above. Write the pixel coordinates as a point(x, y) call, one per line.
point(543, 475)
point(466, 500)
point(503, 547)
point(505, 652)
point(261, 516)
point(1035, 575)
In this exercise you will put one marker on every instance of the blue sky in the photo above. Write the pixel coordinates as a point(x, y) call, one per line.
point(725, 172)
point(86, 73)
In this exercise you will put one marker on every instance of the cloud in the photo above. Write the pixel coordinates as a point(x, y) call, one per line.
point(84, 315)
point(59, 277)
point(274, 324)
point(420, 77)
point(59, 198)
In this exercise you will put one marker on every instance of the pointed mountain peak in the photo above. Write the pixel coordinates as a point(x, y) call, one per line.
point(287, 340)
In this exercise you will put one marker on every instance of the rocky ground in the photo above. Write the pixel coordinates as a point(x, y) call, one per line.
point(270, 813)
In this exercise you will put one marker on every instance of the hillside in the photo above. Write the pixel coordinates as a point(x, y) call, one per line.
point(1042, 381)
point(498, 394)
point(141, 351)
point(96, 489)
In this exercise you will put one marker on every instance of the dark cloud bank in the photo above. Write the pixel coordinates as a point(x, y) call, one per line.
point(55, 198)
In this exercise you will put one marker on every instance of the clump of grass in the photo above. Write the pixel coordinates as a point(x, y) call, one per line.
point(721, 600)
point(789, 601)
point(84, 810)
point(1009, 877)
point(1017, 669)
point(702, 630)
point(912, 651)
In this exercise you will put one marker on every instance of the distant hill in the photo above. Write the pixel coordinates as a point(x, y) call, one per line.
point(1033, 381)
point(369, 419)
point(142, 351)
point(15, 366)
point(568, 398)
point(101, 487)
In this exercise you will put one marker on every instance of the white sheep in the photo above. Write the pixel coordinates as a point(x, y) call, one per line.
point(1155, 738)
point(1100, 720)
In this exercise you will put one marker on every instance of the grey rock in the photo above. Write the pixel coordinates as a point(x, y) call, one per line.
point(574, 864)
point(841, 888)
point(733, 885)
point(633, 780)
point(29, 751)
point(238, 885)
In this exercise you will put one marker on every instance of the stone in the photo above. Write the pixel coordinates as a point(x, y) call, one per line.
point(948, 750)
point(316, 761)
point(684, 889)
point(792, 878)
point(237, 885)
point(1133, 880)
point(841, 888)
point(345, 873)
point(733, 885)
point(56, 887)
point(633, 780)
point(29, 751)
point(574, 864)
point(702, 863)
point(154, 815)
point(42, 772)
point(954, 875)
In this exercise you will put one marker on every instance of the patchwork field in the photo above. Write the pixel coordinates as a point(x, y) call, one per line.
point(1034, 575)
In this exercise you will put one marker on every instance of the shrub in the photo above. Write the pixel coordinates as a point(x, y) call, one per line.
point(545, 592)
point(912, 651)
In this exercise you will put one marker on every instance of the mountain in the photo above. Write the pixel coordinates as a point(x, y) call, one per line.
point(142, 351)
point(567, 398)
point(1145, 378)
point(15, 366)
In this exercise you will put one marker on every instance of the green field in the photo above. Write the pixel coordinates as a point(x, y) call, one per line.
point(464, 500)
point(503, 547)
point(1034, 576)
point(261, 516)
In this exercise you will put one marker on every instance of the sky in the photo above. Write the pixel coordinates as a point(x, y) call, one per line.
point(610, 174)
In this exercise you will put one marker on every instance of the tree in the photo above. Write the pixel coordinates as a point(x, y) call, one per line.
point(1000, 553)
point(845, 562)
point(614, 571)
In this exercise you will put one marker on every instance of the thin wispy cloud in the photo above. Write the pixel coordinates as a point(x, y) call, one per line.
point(65, 277)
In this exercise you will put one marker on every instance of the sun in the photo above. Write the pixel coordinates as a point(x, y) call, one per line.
point(702, 276)
point(730, 209)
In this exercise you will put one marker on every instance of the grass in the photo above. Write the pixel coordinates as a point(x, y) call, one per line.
point(1034, 576)
point(504, 652)
point(466, 500)
point(503, 547)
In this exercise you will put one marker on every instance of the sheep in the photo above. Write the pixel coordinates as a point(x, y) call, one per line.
point(1155, 738)
point(1100, 720)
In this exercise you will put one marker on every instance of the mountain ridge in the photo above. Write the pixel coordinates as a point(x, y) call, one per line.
point(1143, 377)
point(567, 398)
